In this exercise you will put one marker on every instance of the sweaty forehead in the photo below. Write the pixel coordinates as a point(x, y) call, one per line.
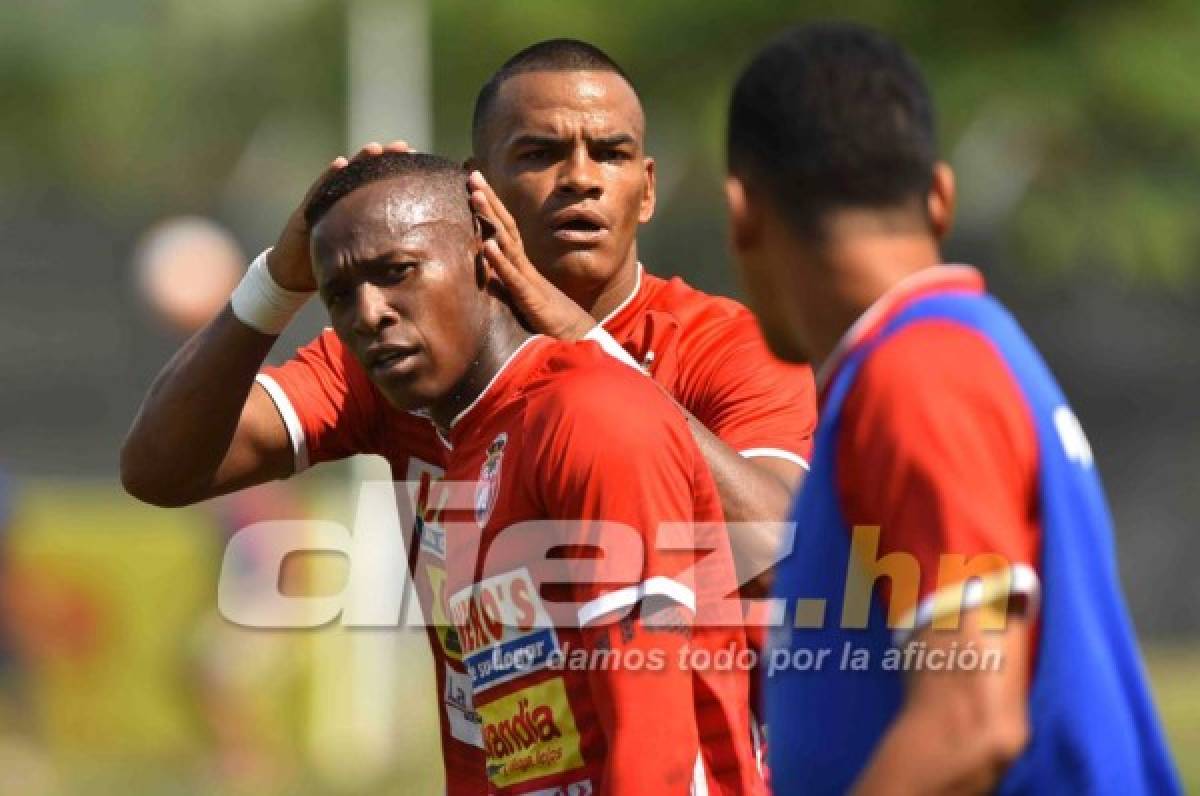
point(594, 103)
point(415, 210)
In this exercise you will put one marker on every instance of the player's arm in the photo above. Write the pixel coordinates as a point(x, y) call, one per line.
point(636, 471)
point(754, 418)
point(756, 493)
point(647, 715)
point(205, 428)
point(958, 731)
point(946, 465)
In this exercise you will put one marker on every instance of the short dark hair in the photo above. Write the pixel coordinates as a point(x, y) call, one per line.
point(551, 55)
point(341, 183)
point(829, 116)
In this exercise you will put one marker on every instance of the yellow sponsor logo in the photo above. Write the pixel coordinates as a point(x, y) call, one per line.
point(439, 613)
point(529, 734)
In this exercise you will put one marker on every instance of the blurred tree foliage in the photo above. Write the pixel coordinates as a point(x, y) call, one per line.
point(1075, 125)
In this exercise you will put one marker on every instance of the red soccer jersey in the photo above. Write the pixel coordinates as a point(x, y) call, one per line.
point(945, 464)
point(543, 443)
point(707, 351)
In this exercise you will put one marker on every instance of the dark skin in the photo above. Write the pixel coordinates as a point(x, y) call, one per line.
point(397, 264)
point(563, 150)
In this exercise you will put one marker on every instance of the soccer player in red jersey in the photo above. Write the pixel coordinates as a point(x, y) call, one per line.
point(559, 136)
point(948, 466)
point(528, 421)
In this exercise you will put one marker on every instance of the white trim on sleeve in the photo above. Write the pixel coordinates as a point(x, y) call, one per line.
point(291, 420)
point(657, 586)
point(1019, 579)
point(756, 739)
point(699, 777)
point(774, 453)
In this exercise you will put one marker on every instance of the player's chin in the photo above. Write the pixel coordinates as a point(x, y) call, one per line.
point(591, 262)
point(407, 395)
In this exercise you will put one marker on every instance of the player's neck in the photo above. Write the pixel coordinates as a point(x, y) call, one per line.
point(500, 341)
point(601, 300)
point(852, 274)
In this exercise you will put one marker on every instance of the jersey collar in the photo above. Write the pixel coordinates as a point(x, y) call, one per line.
point(624, 305)
point(494, 386)
point(936, 279)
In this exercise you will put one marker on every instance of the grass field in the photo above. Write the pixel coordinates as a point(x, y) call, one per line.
point(123, 593)
point(1175, 674)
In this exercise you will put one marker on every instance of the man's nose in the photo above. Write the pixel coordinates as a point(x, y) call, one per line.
point(372, 311)
point(580, 174)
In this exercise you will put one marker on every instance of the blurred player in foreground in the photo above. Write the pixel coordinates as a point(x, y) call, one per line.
point(527, 421)
point(559, 135)
point(946, 457)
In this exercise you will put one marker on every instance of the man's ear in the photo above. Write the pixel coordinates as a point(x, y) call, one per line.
point(940, 203)
point(650, 196)
point(745, 223)
point(485, 275)
point(484, 272)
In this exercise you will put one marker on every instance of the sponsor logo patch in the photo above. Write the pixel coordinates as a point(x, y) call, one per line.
point(428, 503)
point(433, 538)
point(465, 723)
point(504, 628)
point(530, 734)
point(440, 613)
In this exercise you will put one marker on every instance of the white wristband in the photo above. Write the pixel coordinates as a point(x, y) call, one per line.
point(260, 303)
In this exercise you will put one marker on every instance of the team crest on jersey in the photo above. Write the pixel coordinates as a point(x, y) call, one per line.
point(488, 485)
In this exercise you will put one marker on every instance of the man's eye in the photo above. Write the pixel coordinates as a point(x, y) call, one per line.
point(395, 273)
point(533, 155)
point(615, 155)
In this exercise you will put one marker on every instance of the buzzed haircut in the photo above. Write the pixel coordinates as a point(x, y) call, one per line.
point(552, 55)
point(440, 174)
point(832, 116)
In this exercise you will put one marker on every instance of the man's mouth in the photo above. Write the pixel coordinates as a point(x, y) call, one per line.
point(579, 226)
point(390, 360)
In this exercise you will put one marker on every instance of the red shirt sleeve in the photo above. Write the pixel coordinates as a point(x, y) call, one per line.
point(637, 468)
point(326, 400)
point(937, 448)
point(596, 462)
point(756, 404)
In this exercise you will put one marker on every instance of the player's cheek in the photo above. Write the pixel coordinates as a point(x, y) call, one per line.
point(526, 194)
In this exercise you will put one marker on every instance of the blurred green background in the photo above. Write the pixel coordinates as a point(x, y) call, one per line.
point(1075, 131)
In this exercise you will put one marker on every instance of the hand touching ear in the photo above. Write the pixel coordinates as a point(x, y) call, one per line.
point(547, 309)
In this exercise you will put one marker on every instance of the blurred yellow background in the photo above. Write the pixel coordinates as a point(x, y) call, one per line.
point(116, 703)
